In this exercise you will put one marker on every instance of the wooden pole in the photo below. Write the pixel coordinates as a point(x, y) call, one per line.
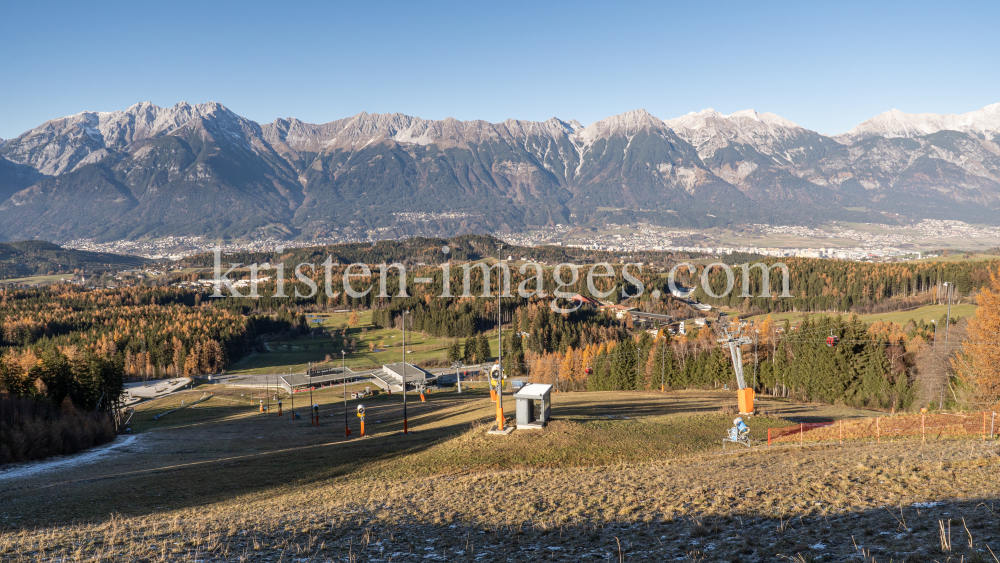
point(801, 427)
point(768, 436)
point(923, 427)
point(841, 431)
point(878, 431)
point(984, 426)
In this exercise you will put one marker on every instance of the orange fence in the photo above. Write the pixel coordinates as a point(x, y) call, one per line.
point(924, 426)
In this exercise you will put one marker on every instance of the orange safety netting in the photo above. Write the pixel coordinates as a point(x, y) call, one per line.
point(924, 426)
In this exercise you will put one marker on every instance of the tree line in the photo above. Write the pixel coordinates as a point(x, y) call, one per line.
point(871, 366)
point(836, 285)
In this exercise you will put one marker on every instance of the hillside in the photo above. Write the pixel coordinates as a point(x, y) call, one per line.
point(636, 476)
point(203, 170)
point(36, 257)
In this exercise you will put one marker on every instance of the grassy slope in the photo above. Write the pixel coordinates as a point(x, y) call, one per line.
point(293, 354)
point(227, 483)
point(899, 317)
point(34, 280)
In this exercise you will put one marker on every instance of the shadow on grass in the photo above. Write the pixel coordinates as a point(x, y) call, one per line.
point(965, 530)
point(196, 464)
point(238, 454)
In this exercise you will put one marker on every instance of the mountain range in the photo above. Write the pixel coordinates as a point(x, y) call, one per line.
point(204, 170)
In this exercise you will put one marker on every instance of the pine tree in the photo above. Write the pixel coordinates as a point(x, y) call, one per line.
point(56, 374)
point(513, 359)
point(469, 351)
point(663, 367)
point(600, 379)
point(875, 376)
point(455, 351)
point(623, 367)
point(483, 351)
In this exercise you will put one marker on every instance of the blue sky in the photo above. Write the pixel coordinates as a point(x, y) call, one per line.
point(824, 65)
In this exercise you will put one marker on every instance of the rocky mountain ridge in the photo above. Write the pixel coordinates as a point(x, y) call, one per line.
point(983, 123)
point(202, 169)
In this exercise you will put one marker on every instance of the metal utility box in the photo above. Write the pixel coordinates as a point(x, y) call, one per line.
point(526, 399)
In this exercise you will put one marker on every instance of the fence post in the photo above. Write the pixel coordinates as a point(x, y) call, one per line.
point(993, 421)
point(923, 428)
point(842, 431)
point(878, 431)
point(801, 427)
point(984, 426)
point(768, 436)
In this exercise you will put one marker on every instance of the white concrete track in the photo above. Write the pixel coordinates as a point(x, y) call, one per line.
point(157, 388)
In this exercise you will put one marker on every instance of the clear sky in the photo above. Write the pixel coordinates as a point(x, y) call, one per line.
point(825, 65)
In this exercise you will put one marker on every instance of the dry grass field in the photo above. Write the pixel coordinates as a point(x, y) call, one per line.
point(615, 477)
point(924, 314)
point(375, 347)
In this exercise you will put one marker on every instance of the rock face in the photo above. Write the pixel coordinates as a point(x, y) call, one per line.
point(202, 169)
point(983, 123)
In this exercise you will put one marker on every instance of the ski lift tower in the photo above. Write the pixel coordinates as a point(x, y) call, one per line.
point(744, 394)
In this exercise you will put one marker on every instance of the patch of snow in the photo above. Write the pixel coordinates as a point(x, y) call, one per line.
point(895, 123)
point(32, 468)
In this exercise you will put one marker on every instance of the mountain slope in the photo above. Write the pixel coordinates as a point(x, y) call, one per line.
point(15, 177)
point(203, 170)
point(36, 257)
point(769, 158)
point(983, 123)
point(149, 171)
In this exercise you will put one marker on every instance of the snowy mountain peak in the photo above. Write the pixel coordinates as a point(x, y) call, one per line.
point(64, 144)
point(767, 133)
point(746, 117)
point(624, 124)
point(895, 123)
point(364, 129)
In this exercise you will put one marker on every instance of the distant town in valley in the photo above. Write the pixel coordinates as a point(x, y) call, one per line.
point(854, 241)
point(483, 282)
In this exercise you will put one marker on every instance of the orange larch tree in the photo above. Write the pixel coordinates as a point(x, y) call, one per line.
point(979, 362)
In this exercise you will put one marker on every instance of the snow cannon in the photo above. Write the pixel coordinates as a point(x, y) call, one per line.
point(741, 427)
point(497, 377)
point(738, 434)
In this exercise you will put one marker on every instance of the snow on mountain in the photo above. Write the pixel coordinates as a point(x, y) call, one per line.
point(766, 133)
point(363, 129)
point(625, 124)
point(709, 130)
point(744, 118)
point(984, 122)
point(64, 144)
